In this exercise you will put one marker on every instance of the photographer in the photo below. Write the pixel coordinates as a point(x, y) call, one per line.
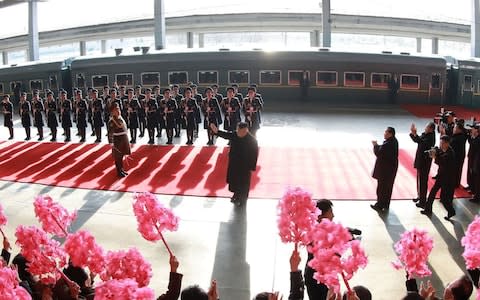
point(423, 161)
point(447, 122)
point(473, 167)
point(445, 159)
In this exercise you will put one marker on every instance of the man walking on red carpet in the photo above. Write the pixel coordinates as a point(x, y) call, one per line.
point(117, 134)
point(385, 169)
point(242, 160)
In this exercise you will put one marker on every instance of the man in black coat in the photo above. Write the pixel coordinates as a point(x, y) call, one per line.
point(445, 159)
point(242, 160)
point(457, 142)
point(385, 169)
point(423, 161)
point(473, 171)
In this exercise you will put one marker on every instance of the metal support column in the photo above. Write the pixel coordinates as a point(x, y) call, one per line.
point(435, 45)
point(475, 29)
point(419, 45)
point(189, 39)
point(315, 38)
point(201, 40)
point(5, 57)
point(326, 24)
point(83, 48)
point(159, 15)
point(33, 43)
point(103, 46)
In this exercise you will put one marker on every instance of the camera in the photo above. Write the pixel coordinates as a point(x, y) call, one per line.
point(433, 151)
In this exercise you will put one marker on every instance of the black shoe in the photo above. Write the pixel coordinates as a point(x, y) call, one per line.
point(40, 139)
point(169, 142)
point(67, 140)
point(93, 134)
point(434, 177)
point(376, 207)
point(53, 140)
point(158, 135)
point(177, 135)
point(10, 138)
point(151, 142)
point(189, 143)
point(121, 175)
point(27, 139)
point(426, 212)
point(420, 205)
point(233, 200)
point(416, 200)
point(98, 141)
point(141, 135)
point(124, 173)
point(82, 141)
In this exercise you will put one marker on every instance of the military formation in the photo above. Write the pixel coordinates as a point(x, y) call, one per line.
point(145, 111)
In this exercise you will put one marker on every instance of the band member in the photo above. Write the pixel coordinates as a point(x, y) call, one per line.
point(89, 100)
point(152, 113)
point(133, 107)
point(211, 113)
point(97, 115)
point(51, 112)
point(237, 94)
point(423, 161)
point(66, 115)
point(117, 134)
point(259, 96)
point(198, 97)
point(178, 114)
point(242, 160)
point(107, 104)
point(190, 109)
point(169, 114)
point(38, 108)
point(385, 169)
point(8, 114)
point(81, 109)
point(231, 110)
point(124, 98)
point(216, 94)
point(251, 108)
point(445, 159)
point(142, 118)
point(160, 111)
point(25, 109)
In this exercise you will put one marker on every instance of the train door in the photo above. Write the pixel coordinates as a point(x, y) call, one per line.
point(451, 86)
point(435, 89)
point(467, 88)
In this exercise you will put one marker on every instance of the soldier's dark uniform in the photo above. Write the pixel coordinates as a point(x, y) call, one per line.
point(38, 108)
point(152, 116)
point(133, 107)
point(178, 113)
point(198, 97)
point(89, 100)
point(231, 111)
point(51, 112)
point(189, 110)
point(8, 115)
point(170, 111)
point(251, 107)
point(160, 111)
point(97, 116)
point(211, 113)
point(142, 117)
point(25, 109)
point(66, 118)
point(118, 136)
point(81, 113)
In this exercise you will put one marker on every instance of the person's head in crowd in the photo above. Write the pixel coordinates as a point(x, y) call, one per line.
point(113, 93)
point(148, 93)
point(326, 208)
point(138, 89)
point(156, 89)
point(63, 95)
point(94, 94)
point(214, 88)
point(6, 98)
point(444, 142)
point(175, 89)
point(230, 92)
point(106, 89)
point(194, 292)
point(115, 109)
point(460, 289)
point(21, 262)
point(412, 296)
point(130, 93)
point(187, 93)
point(389, 133)
point(450, 117)
point(458, 129)
point(23, 96)
point(166, 93)
point(49, 96)
point(242, 129)
point(209, 92)
point(77, 275)
point(78, 94)
point(235, 87)
point(252, 91)
point(362, 293)
point(474, 130)
point(430, 127)
point(263, 296)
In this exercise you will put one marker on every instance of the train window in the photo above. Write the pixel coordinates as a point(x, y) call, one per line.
point(295, 77)
point(36, 84)
point(435, 84)
point(380, 80)
point(99, 81)
point(328, 78)
point(354, 79)
point(1, 88)
point(15, 86)
point(152, 78)
point(52, 82)
point(408, 81)
point(177, 77)
point(124, 79)
point(270, 77)
point(80, 80)
point(207, 77)
point(467, 83)
point(238, 77)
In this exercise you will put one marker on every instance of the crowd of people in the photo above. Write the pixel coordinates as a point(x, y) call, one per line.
point(144, 110)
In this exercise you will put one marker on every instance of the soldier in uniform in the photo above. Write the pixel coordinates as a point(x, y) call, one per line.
point(142, 118)
point(51, 112)
point(237, 94)
point(190, 109)
point(66, 115)
point(211, 113)
point(8, 114)
point(152, 113)
point(81, 109)
point(97, 115)
point(251, 107)
point(160, 120)
point(178, 114)
point(259, 96)
point(118, 136)
point(231, 110)
point(89, 100)
point(216, 94)
point(25, 109)
point(169, 114)
point(38, 108)
point(198, 97)
point(124, 98)
point(133, 107)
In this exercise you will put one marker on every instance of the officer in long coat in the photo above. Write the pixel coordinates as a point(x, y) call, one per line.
point(66, 115)
point(152, 115)
point(97, 115)
point(8, 114)
point(118, 136)
point(51, 112)
point(38, 108)
point(25, 109)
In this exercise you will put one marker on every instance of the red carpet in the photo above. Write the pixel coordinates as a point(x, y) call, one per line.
point(200, 171)
point(430, 111)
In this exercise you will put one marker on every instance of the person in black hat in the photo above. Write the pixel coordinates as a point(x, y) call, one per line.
point(66, 115)
point(133, 107)
point(152, 120)
point(251, 109)
point(169, 110)
point(25, 109)
point(242, 160)
point(385, 169)
point(51, 112)
point(198, 116)
point(445, 180)
point(118, 136)
point(231, 110)
point(211, 113)
point(97, 115)
point(8, 114)
point(81, 108)
point(38, 108)
point(189, 112)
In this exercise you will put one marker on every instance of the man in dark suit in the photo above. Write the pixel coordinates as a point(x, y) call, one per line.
point(385, 169)
point(445, 181)
point(423, 161)
point(457, 142)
